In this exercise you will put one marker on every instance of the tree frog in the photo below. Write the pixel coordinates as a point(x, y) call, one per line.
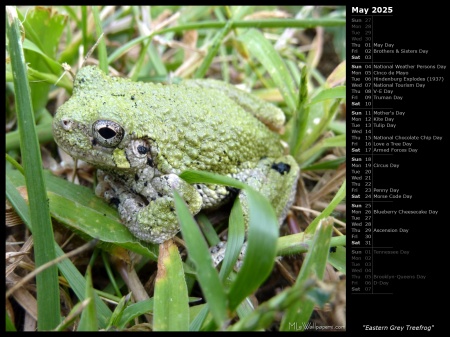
point(142, 136)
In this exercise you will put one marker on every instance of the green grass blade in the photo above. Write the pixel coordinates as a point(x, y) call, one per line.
point(34, 75)
point(331, 93)
point(207, 229)
point(88, 320)
point(336, 141)
point(72, 14)
point(109, 272)
point(197, 322)
point(89, 222)
point(298, 124)
point(84, 28)
point(192, 176)
point(309, 155)
point(261, 248)
point(47, 281)
point(40, 76)
point(171, 304)
point(66, 267)
point(212, 52)
point(264, 315)
point(313, 267)
point(245, 308)
point(297, 244)
point(269, 23)
point(41, 22)
point(53, 65)
point(262, 237)
point(324, 112)
point(134, 310)
point(272, 23)
point(72, 316)
point(77, 283)
point(44, 133)
point(194, 311)
point(236, 236)
point(338, 127)
point(262, 49)
point(207, 276)
point(340, 195)
point(338, 259)
point(14, 164)
point(127, 46)
point(9, 325)
point(102, 57)
point(78, 208)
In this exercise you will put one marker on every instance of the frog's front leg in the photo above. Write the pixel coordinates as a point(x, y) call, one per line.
point(152, 220)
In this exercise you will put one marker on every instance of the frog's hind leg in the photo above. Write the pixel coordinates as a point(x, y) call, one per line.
point(214, 196)
point(286, 171)
point(276, 180)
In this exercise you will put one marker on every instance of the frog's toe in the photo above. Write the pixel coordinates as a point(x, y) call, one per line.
point(157, 222)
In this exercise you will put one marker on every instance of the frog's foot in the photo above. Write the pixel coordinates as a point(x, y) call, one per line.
point(129, 206)
point(218, 254)
point(150, 220)
point(214, 196)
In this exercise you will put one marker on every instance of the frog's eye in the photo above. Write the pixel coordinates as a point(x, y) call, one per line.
point(107, 133)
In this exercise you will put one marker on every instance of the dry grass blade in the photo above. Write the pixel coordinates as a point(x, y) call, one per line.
point(26, 300)
point(74, 252)
point(134, 284)
point(330, 182)
point(12, 218)
point(314, 212)
point(17, 257)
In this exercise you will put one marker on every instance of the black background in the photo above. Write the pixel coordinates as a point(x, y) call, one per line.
point(425, 26)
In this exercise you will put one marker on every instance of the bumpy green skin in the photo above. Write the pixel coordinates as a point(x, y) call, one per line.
point(166, 130)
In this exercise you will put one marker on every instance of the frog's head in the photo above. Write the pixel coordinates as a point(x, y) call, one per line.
point(95, 124)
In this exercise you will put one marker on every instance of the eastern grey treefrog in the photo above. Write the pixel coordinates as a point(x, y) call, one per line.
point(141, 136)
